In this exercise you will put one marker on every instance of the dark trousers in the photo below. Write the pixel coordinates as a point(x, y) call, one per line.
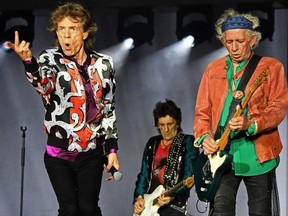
point(77, 183)
point(258, 190)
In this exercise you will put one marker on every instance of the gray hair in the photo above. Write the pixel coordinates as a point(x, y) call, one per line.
point(232, 13)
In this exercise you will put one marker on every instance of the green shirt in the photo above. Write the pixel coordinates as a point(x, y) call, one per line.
point(245, 160)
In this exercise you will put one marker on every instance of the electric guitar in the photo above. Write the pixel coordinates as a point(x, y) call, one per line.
point(151, 200)
point(210, 168)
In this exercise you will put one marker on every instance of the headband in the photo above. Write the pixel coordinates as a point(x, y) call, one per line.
point(236, 22)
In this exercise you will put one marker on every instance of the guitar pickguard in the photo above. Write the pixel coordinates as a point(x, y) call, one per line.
point(216, 161)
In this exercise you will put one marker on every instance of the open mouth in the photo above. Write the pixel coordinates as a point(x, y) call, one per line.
point(67, 46)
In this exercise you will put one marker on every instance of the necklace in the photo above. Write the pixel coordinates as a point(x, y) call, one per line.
point(237, 94)
point(235, 74)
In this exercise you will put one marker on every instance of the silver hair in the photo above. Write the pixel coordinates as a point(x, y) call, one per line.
point(231, 13)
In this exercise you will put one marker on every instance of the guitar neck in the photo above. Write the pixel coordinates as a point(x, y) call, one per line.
point(225, 136)
point(171, 191)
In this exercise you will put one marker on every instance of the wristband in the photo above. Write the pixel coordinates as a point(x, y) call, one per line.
point(113, 151)
point(27, 62)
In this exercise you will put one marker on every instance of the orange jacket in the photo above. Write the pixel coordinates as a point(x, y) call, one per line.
point(267, 106)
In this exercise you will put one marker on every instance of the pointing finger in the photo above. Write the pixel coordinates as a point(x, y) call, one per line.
point(16, 39)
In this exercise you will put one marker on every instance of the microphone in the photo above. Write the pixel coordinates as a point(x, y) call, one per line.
point(115, 173)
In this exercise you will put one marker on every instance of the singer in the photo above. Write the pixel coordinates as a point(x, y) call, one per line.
point(77, 87)
point(168, 159)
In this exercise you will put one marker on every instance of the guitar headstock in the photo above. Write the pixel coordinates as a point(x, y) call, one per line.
point(189, 182)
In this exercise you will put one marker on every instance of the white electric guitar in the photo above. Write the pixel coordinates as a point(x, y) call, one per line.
point(151, 200)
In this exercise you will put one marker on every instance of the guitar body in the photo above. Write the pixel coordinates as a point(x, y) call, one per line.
point(208, 173)
point(150, 209)
point(151, 204)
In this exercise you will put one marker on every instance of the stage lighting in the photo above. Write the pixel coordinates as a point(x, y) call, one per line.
point(129, 43)
point(189, 41)
point(265, 13)
point(21, 21)
point(136, 24)
point(195, 22)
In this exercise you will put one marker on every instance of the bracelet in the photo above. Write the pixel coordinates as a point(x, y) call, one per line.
point(27, 62)
point(113, 151)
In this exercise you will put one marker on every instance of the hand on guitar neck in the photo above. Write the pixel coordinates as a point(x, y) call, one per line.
point(241, 123)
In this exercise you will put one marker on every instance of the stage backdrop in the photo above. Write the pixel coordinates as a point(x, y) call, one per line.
point(147, 75)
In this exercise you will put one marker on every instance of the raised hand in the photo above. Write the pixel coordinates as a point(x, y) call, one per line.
point(20, 48)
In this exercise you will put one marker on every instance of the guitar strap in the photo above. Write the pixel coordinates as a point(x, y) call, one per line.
point(241, 87)
point(174, 160)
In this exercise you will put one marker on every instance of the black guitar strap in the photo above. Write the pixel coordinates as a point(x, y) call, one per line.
point(241, 87)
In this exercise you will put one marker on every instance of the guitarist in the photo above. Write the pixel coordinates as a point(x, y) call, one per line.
point(168, 159)
point(254, 141)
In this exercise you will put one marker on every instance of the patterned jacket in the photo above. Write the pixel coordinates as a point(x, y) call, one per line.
point(58, 81)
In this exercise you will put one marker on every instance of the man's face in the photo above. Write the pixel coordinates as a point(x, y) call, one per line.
point(238, 44)
point(168, 127)
point(71, 36)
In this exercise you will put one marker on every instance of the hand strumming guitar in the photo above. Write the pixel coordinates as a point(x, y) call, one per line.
point(139, 205)
point(209, 145)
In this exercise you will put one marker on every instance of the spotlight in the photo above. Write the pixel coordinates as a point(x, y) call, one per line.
point(21, 21)
point(4, 46)
point(195, 22)
point(265, 13)
point(136, 24)
point(129, 43)
point(189, 40)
